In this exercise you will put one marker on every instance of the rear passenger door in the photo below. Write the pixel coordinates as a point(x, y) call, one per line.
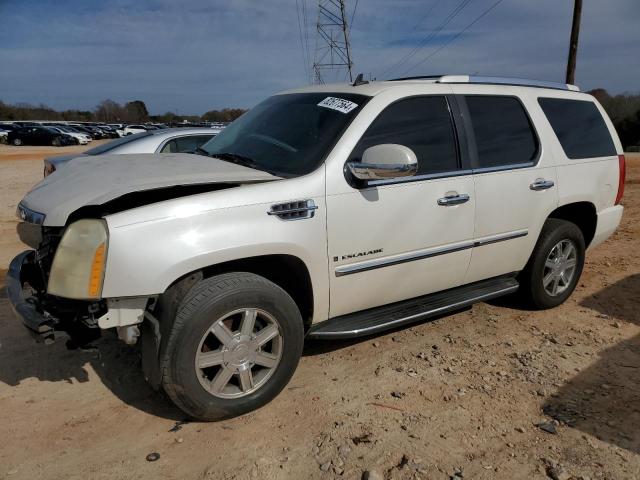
point(515, 178)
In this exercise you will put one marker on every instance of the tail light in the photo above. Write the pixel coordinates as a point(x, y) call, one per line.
point(623, 171)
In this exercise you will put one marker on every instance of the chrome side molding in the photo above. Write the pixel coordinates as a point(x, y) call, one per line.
point(428, 253)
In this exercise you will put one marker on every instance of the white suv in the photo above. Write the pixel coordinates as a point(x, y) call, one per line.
point(330, 211)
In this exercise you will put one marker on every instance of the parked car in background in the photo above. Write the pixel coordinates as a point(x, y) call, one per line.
point(95, 133)
point(81, 138)
point(119, 128)
point(5, 128)
point(39, 135)
point(173, 140)
point(131, 129)
point(108, 131)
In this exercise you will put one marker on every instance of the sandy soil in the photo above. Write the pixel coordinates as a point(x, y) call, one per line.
point(458, 397)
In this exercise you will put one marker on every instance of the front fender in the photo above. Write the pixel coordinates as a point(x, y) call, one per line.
point(146, 257)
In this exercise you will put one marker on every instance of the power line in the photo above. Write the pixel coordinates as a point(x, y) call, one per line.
point(415, 27)
point(302, 48)
point(305, 15)
point(426, 40)
point(444, 45)
point(353, 14)
point(456, 11)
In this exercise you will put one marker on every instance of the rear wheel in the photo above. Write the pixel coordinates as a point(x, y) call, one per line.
point(17, 142)
point(235, 344)
point(55, 142)
point(555, 266)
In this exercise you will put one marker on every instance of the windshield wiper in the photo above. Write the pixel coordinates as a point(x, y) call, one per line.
point(237, 159)
point(244, 161)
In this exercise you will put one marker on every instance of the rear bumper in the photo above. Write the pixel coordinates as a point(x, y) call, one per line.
point(26, 305)
point(608, 221)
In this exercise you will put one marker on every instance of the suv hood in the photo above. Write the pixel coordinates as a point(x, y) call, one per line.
point(95, 180)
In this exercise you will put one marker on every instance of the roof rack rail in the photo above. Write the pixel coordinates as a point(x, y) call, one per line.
point(480, 79)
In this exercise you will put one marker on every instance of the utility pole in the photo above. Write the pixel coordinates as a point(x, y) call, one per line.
point(573, 42)
point(333, 51)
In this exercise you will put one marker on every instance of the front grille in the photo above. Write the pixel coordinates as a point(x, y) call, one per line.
point(47, 249)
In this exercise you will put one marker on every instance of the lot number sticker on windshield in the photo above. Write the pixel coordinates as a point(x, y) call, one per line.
point(339, 104)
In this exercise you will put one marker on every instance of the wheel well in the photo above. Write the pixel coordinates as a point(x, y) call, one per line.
point(583, 214)
point(288, 272)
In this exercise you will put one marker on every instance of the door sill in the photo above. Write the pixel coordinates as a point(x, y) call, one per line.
point(385, 317)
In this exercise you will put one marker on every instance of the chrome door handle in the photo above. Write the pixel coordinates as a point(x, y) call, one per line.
point(449, 200)
point(541, 184)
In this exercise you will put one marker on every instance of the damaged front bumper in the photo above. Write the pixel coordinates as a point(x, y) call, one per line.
point(25, 305)
point(49, 318)
point(46, 318)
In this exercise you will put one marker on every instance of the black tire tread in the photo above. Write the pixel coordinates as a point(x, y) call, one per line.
point(206, 288)
point(549, 230)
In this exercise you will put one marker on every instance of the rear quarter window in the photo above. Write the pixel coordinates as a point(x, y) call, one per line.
point(579, 127)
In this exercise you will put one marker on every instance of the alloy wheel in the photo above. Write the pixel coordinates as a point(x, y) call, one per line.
point(560, 267)
point(239, 353)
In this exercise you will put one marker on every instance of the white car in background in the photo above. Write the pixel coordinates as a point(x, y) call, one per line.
point(131, 129)
point(119, 128)
point(170, 140)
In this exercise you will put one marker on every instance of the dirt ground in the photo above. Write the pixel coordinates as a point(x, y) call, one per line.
point(458, 397)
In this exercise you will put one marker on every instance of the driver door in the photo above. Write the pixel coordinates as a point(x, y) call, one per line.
point(391, 240)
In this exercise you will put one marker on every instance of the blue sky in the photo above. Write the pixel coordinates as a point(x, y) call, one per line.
point(194, 55)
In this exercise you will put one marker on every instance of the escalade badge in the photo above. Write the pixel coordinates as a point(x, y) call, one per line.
point(356, 255)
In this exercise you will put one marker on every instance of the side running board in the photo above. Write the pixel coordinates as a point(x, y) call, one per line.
point(375, 320)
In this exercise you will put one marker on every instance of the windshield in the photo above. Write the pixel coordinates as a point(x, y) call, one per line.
point(99, 150)
point(287, 135)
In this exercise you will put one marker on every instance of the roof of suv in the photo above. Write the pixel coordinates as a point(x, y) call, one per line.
point(375, 87)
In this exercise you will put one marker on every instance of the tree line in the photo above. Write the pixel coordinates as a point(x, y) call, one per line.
point(624, 110)
point(109, 111)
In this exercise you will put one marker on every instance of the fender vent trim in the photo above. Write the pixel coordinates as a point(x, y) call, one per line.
point(295, 210)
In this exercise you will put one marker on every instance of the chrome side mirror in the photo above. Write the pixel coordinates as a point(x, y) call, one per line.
point(385, 161)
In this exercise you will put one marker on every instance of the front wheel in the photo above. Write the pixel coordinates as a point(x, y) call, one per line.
point(555, 266)
point(235, 343)
point(17, 142)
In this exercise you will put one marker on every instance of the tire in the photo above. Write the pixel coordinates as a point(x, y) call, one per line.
point(196, 391)
point(56, 142)
point(538, 279)
point(17, 142)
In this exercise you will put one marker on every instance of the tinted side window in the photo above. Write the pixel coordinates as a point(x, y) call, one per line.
point(421, 123)
point(579, 126)
point(504, 135)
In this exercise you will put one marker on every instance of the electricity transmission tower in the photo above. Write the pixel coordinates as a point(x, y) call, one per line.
point(333, 52)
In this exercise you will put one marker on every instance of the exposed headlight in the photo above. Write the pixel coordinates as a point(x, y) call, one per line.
point(79, 263)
